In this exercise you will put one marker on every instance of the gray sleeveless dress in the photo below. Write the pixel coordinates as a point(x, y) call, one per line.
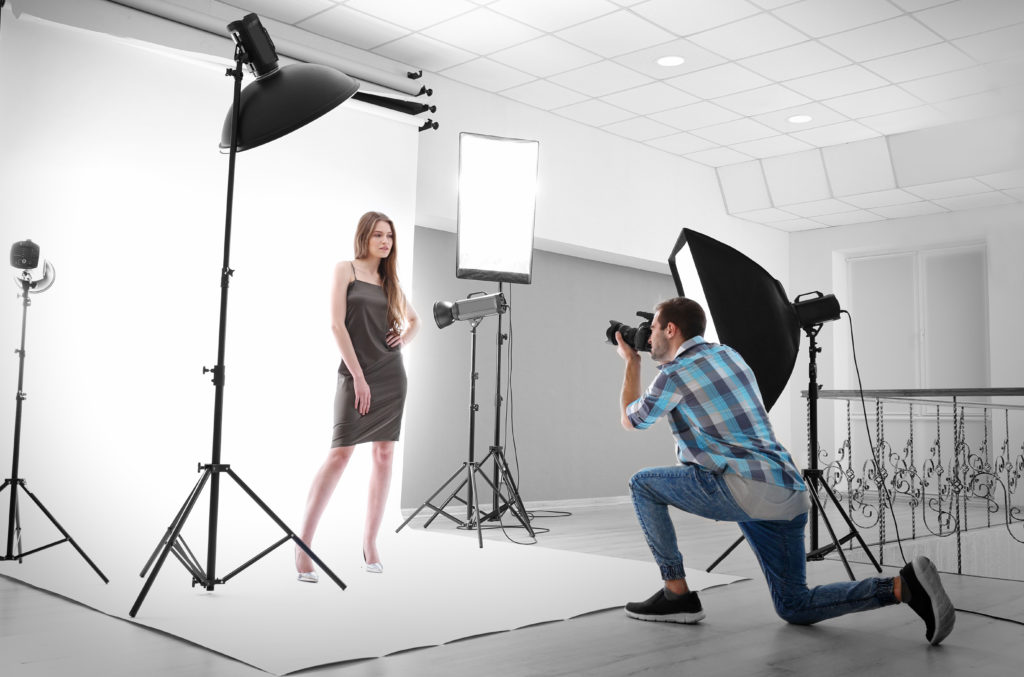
point(365, 319)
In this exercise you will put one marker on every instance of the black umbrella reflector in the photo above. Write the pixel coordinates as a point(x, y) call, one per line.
point(749, 307)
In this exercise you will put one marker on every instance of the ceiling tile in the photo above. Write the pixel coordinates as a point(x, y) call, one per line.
point(694, 16)
point(859, 167)
point(830, 135)
point(615, 34)
point(651, 98)
point(545, 56)
point(845, 80)
point(711, 83)
point(797, 61)
point(552, 16)
point(889, 37)
point(772, 146)
point(695, 116)
point(818, 208)
point(422, 52)
point(486, 74)
point(482, 31)
point(999, 44)
point(1004, 180)
point(762, 100)
point(772, 4)
point(920, 63)
point(681, 144)
point(285, 12)
point(543, 94)
point(645, 60)
point(979, 201)
point(848, 218)
point(598, 79)
point(595, 113)
point(744, 188)
point(820, 116)
point(717, 157)
point(882, 198)
point(975, 106)
point(746, 37)
point(353, 28)
point(1016, 193)
point(873, 102)
point(736, 131)
point(770, 215)
point(907, 120)
point(796, 178)
point(412, 14)
point(945, 189)
point(626, 3)
point(967, 17)
point(950, 85)
point(818, 18)
point(639, 129)
point(916, 5)
point(908, 210)
point(796, 225)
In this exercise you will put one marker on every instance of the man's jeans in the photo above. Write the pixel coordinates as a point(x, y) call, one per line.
point(779, 545)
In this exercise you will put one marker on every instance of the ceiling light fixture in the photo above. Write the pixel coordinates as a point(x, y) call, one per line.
point(800, 119)
point(669, 61)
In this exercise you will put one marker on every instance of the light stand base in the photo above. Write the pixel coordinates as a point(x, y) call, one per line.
point(15, 524)
point(173, 543)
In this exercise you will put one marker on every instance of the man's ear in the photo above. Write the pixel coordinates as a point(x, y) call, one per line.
point(671, 329)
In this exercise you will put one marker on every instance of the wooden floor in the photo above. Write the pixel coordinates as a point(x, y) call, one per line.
point(44, 635)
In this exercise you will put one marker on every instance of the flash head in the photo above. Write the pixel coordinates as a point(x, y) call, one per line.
point(25, 255)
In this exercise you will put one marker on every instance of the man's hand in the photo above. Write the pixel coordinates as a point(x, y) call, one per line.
point(625, 350)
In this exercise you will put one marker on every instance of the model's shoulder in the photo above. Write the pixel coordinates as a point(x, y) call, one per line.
point(343, 272)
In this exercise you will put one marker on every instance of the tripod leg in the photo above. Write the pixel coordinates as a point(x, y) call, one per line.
point(432, 497)
point(284, 527)
point(851, 526)
point(63, 532)
point(473, 469)
point(725, 554)
point(171, 538)
point(818, 554)
point(195, 490)
point(523, 516)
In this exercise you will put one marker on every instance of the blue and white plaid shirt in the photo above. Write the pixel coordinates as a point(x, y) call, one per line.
point(714, 407)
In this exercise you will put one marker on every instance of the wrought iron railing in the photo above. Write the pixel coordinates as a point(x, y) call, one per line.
point(942, 467)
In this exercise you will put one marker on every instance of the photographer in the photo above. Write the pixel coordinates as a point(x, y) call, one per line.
point(732, 468)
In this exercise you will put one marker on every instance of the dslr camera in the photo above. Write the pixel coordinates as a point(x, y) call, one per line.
point(638, 336)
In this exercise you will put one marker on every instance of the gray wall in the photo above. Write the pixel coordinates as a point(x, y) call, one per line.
point(566, 380)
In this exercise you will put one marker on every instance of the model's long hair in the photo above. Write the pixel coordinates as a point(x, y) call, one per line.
point(387, 269)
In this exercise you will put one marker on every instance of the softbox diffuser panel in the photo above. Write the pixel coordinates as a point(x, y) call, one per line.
point(750, 310)
point(497, 204)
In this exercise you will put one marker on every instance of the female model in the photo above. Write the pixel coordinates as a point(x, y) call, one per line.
point(371, 320)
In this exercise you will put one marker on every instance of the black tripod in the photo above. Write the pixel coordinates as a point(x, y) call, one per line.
point(172, 542)
point(471, 468)
point(16, 483)
point(814, 478)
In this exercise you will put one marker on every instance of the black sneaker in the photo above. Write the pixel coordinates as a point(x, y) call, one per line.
point(923, 591)
point(686, 609)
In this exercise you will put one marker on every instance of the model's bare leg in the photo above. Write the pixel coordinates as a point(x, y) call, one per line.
point(380, 482)
point(324, 482)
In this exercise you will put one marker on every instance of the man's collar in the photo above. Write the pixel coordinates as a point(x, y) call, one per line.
point(689, 343)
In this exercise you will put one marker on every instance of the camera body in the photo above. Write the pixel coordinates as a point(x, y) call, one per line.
point(638, 337)
point(25, 255)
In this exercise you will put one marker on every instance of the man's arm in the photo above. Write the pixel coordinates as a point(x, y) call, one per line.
point(631, 380)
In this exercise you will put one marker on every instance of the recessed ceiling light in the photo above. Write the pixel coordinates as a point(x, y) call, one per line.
point(668, 61)
point(800, 119)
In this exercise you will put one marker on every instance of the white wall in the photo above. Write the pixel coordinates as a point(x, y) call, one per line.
point(110, 163)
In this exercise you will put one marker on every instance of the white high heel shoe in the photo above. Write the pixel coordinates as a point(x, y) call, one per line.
point(308, 577)
point(372, 567)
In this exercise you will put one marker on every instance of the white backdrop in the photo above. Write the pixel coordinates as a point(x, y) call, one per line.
point(109, 161)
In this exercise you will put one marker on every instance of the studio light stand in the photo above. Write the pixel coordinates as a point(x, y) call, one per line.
point(471, 468)
point(282, 102)
point(16, 483)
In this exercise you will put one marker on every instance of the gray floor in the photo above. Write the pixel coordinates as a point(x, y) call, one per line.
point(41, 634)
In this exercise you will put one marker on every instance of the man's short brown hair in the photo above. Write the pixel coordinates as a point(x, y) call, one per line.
point(685, 313)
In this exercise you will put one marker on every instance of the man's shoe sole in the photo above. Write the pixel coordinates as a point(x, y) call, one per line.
point(685, 618)
point(942, 607)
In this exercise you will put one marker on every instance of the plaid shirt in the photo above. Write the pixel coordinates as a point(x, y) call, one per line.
point(717, 417)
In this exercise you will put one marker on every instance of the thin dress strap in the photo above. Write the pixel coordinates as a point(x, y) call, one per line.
point(354, 276)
